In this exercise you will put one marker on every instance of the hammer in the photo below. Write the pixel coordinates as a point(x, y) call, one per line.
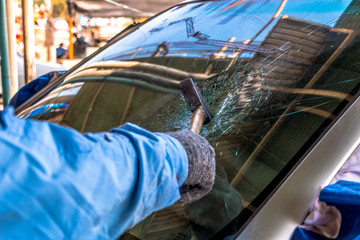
point(200, 111)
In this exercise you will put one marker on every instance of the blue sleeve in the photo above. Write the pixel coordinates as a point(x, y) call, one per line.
point(33, 87)
point(56, 183)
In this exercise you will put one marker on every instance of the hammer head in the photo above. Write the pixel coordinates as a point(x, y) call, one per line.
point(194, 98)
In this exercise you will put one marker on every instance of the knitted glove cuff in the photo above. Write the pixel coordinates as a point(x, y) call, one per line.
point(201, 157)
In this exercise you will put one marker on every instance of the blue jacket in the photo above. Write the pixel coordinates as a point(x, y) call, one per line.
point(56, 183)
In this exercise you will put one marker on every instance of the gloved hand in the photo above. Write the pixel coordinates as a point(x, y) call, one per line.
point(201, 156)
point(33, 87)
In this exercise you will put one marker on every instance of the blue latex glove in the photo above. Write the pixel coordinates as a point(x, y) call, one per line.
point(56, 183)
point(33, 87)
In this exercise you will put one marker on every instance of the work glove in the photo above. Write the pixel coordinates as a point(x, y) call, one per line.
point(201, 157)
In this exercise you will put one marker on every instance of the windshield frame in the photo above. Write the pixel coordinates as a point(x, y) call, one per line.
point(332, 142)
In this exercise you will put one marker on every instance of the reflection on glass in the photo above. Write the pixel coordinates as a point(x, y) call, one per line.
point(274, 73)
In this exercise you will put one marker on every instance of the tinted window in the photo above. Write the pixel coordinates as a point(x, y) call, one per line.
point(273, 85)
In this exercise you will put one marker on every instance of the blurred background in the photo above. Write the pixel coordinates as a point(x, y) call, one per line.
point(92, 24)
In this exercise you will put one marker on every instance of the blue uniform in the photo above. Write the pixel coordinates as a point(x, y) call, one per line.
point(56, 183)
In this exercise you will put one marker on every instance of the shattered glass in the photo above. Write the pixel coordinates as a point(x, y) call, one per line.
point(274, 73)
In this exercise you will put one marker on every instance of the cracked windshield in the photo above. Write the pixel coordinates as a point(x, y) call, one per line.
point(273, 73)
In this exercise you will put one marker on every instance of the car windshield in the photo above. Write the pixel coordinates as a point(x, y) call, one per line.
point(274, 73)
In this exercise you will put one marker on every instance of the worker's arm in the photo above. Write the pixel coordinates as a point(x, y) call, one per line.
point(56, 183)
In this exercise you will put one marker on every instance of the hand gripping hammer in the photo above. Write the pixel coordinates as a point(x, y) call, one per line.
point(200, 111)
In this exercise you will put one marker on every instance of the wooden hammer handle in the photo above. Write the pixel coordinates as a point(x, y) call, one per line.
point(197, 120)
